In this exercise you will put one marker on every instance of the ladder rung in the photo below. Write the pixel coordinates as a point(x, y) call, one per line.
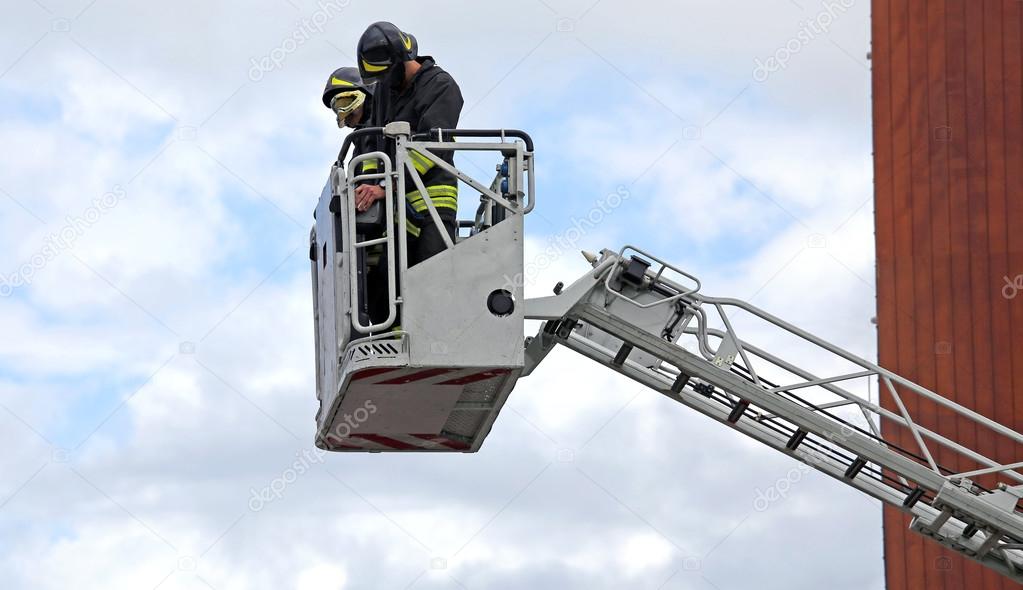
point(623, 353)
point(738, 411)
point(796, 440)
point(680, 383)
point(913, 498)
point(855, 468)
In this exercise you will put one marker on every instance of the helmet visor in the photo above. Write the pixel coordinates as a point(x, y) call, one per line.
point(345, 103)
point(376, 61)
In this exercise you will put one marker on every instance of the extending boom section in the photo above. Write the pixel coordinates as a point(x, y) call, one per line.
point(647, 320)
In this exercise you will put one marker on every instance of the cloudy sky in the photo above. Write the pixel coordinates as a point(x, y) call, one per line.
point(161, 163)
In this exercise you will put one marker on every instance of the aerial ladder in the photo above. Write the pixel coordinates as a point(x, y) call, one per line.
point(431, 372)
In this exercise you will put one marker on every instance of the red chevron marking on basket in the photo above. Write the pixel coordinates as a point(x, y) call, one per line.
point(387, 442)
point(367, 373)
point(443, 440)
point(475, 377)
point(419, 376)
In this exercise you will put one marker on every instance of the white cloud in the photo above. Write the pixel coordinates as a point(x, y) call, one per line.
point(199, 252)
point(320, 577)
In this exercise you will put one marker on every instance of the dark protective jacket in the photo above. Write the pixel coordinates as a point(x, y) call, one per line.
point(363, 145)
point(432, 100)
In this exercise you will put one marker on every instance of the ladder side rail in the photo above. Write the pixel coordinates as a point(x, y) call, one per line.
point(719, 412)
point(973, 509)
point(804, 418)
point(904, 420)
point(730, 346)
point(824, 406)
point(949, 534)
point(711, 354)
point(866, 407)
point(865, 448)
point(958, 408)
point(951, 517)
point(354, 244)
point(879, 411)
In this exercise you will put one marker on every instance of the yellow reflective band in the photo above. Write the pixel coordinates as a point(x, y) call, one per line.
point(440, 190)
point(411, 229)
point(421, 162)
point(444, 196)
point(441, 195)
point(372, 68)
point(438, 203)
point(407, 41)
point(340, 82)
point(370, 165)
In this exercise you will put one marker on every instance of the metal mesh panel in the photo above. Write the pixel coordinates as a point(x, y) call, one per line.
point(465, 422)
point(482, 391)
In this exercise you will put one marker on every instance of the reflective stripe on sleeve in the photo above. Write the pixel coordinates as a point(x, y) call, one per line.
point(421, 162)
point(443, 196)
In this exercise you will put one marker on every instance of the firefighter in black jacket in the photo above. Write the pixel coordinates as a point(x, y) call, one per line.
point(413, 89)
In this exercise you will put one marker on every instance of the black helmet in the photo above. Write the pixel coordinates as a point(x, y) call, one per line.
point(344, 80)
point(382, 47)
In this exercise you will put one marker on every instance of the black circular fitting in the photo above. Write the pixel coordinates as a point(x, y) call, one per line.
point(501, 303)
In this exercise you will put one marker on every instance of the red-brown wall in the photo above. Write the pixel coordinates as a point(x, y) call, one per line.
point(948, 157)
